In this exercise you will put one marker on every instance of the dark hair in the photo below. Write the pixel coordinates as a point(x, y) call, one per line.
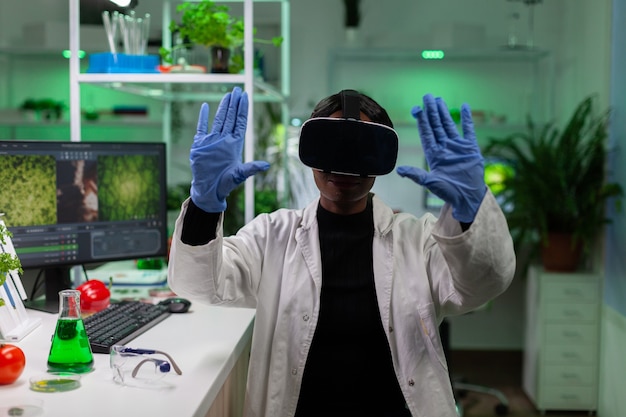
point(369, 107)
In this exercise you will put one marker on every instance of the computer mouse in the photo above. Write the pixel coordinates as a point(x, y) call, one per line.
point(176, 304)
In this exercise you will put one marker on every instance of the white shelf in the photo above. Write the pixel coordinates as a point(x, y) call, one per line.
point(205, 87)
point(161, 78)
point(415, 54)
point(214, 86)
point(110, 122)
point(32, 52)
point(461, 75)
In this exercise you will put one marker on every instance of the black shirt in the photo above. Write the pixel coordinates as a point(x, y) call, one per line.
point(349, 370)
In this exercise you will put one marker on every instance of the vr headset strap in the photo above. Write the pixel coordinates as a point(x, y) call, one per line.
point(351, 104)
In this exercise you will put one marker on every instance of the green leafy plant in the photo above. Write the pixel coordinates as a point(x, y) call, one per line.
point(560, 183)
point(8, 262)
point(47, 108)
point(209, 24)
point(176, 194)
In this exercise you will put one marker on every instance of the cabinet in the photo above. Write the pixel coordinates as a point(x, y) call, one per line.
point(561, 353)
point(159, 86)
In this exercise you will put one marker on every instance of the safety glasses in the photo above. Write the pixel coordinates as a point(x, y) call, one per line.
point(141, 368)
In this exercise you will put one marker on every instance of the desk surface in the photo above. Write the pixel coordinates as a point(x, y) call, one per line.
point(205, 342)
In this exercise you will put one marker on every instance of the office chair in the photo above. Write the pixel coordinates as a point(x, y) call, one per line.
point(461, 388)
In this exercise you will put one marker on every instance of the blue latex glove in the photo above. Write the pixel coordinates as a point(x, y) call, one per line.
point(216, 157)
point(457, 173)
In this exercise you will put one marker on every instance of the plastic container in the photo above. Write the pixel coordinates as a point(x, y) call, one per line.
point(106, 62)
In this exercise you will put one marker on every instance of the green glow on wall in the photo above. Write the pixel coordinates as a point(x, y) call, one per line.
point(432, 54)
point(67, 54)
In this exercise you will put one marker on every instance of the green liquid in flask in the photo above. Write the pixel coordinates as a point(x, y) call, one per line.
point(70, 350)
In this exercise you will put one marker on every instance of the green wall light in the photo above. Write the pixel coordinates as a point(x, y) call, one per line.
point(67, 53)
point(432, 54)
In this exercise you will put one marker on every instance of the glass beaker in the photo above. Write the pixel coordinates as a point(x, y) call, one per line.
point(70, 350)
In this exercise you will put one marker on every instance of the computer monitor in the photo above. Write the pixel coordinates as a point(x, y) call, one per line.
point(497, 171)
point(76, 203)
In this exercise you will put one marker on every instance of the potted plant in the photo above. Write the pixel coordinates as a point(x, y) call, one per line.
point(211, 25)
point(44, 109)
point(8, 262)
point(557, 196)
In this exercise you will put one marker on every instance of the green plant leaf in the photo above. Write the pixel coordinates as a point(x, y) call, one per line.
point(208, 24)
point(8, 262)
point(560, 182)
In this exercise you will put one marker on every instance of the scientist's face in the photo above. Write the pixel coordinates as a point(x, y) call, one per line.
point(343, 194)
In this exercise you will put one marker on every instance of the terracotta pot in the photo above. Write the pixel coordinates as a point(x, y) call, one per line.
point(560, 253)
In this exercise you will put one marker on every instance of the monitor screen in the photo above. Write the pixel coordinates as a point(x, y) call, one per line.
point(76, 203)
point(497, 171)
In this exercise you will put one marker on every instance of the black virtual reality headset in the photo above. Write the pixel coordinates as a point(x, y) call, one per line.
point(348, 145)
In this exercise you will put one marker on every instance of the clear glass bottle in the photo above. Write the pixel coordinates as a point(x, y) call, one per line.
point(70, 350)
point(513, 40)
point(514, 16)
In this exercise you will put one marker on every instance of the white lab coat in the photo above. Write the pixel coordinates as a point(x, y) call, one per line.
point(424, 269)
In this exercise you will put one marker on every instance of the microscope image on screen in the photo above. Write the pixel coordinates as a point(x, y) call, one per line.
point(110, 188)
point(127, 187)
point(28, 178)
point(72, 203)
point(77, 191)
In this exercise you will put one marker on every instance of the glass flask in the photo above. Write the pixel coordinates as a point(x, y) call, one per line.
point(70, 350)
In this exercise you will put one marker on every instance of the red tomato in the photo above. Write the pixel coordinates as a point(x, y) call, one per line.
point(12, 362)
point(94, 296)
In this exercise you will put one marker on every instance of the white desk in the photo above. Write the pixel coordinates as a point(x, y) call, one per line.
point(206, 343)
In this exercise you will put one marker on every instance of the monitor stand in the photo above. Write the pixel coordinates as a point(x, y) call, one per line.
point(55, 279)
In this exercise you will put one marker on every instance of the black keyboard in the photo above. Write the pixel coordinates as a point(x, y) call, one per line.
point(122, 322)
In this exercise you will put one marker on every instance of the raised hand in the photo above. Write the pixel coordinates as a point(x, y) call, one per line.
point(216, 157)
point(456, 165)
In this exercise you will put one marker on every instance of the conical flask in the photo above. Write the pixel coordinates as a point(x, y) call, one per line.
point(70, 350)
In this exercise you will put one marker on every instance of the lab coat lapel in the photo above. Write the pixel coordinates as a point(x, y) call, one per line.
point(382, 249)
point(307, 237)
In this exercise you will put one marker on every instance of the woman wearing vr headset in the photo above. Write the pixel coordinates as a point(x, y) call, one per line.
point(348, 294)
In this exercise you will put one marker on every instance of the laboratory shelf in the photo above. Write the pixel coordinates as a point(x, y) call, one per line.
point(31, 52)
point(170, 88)
point(501, 83)
point(499, 54)
point(204, 87)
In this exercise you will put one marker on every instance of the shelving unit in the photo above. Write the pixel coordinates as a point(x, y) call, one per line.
point(59, 130)
point(158, 86)
point(515, 81)
point(10, 55)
